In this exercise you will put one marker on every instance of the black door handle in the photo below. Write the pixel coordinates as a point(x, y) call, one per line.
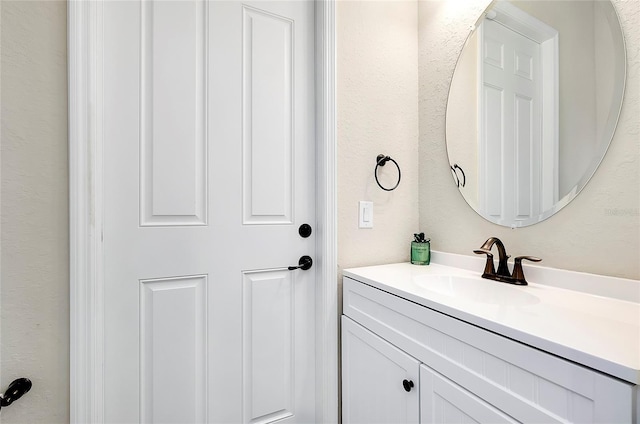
point(407, 384)
point(16, 389)
point(304, 263)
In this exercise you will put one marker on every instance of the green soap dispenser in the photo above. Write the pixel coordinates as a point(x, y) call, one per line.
point(420, 250)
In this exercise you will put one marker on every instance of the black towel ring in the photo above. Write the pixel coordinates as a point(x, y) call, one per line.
point(381, 160)
point(455, 175)
point(464, 177)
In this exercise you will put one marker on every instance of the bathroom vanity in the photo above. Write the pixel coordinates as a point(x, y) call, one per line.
point(436, 344)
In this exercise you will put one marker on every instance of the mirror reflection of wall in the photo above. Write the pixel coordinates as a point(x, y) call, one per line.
point(590, 83)
point(586, 80)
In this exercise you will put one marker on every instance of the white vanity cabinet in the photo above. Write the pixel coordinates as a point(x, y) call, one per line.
point(460, 372)
point(379, 385)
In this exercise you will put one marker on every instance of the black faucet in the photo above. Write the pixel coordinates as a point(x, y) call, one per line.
point(503, 274)
point(503, 269)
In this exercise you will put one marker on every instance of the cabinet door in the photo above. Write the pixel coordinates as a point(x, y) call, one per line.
point(374, 376)
point(443, 401)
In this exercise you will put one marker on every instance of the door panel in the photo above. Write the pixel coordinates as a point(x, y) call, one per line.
point(173, 335)
point(511, 122)
point(268, 351)
point(490, 174)
point(267, 46)
point(203, 321)
point(173, 67)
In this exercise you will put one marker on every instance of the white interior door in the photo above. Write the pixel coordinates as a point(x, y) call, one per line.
point(209, 172)
point(511, 124)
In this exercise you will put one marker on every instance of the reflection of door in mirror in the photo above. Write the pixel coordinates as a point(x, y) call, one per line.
point(582, 54)
point(518, 115)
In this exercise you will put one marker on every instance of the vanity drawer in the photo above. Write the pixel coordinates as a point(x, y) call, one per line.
point(525, 383)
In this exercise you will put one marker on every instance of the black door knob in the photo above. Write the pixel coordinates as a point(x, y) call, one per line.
point(407, 384)
point(304, 263)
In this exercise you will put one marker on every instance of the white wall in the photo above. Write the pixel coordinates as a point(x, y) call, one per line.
point(377, 102)
point(34, 313)
point(599, 232)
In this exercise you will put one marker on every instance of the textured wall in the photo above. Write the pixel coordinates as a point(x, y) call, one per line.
point(377, 102)
point(599, 232)
point(34, 312)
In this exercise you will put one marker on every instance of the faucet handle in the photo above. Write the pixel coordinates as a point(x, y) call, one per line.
point(518, 273)
point(488, 268)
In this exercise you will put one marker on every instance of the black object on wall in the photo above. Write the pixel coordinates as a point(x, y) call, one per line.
point(16, 389)
point(381, 160)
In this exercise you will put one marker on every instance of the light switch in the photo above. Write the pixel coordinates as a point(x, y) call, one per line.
point(365, 214)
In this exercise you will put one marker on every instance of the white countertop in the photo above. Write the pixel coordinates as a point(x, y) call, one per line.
point(599, 332)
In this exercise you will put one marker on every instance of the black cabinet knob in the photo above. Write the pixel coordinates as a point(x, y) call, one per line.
point(407, 384)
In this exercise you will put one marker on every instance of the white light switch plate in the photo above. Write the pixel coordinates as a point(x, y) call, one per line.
point(365, 214)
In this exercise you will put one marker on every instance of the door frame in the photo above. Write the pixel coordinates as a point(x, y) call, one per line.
point(86, 197)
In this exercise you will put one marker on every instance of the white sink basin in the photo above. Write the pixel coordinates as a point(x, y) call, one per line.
point(476, 290)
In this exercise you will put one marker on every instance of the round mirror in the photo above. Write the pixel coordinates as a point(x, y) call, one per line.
point(533, 106)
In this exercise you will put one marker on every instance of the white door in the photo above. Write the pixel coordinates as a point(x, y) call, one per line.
point(209, 172)
point(379, 381)
point(511, 125)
